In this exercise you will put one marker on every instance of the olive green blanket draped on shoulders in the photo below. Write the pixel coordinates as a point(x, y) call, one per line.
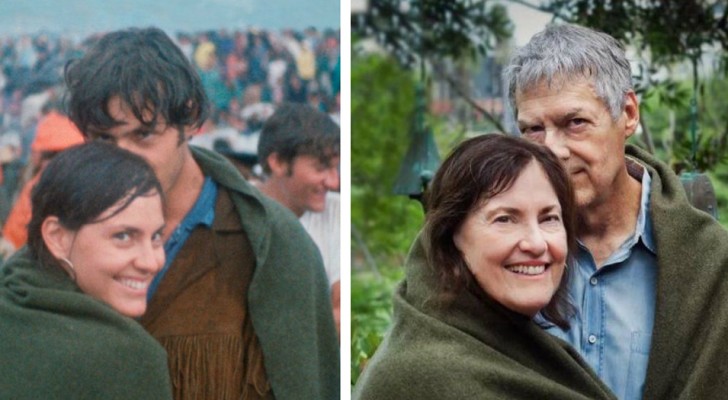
point(689, 352)
point(472, 349)
point(288, 296)
point(58, 343)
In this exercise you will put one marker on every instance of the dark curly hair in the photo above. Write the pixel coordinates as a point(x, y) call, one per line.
point(146, 70)
point(298, 129)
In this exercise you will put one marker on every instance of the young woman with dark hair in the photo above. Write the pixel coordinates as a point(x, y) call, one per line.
point(68, 298)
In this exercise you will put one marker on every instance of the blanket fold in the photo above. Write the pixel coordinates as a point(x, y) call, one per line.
point(690, 336)
point(59, 343)
point(473, 348)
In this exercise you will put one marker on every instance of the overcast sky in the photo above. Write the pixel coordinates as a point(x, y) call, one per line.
point(86, 16)
point(527, 22)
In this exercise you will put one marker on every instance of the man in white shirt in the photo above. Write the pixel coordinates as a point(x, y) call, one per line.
point(299, 152)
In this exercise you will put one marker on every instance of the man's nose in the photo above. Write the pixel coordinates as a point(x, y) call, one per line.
point(556, 142)
point(332, 179)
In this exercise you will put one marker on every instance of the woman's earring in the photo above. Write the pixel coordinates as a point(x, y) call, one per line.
point(71, 270)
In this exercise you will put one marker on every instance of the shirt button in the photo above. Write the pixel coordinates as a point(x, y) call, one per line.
point(592, 339)
point(593, 281)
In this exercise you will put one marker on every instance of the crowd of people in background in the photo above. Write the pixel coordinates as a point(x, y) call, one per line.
point(245, 73)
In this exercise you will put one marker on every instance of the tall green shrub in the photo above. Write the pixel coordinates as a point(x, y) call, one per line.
point(382, 106)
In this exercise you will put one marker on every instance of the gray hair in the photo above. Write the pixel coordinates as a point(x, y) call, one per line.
point(563, 52)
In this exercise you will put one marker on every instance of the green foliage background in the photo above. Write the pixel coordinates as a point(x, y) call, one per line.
point(382, 105)
point(383, 102)
point(383, 224)
point(666, 111)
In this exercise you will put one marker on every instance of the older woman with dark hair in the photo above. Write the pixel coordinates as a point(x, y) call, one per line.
point(491, 258)
point(67, 299)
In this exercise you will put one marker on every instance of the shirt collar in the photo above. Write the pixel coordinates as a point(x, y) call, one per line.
point(203, 212)
point(542, 322)
point(643, 230)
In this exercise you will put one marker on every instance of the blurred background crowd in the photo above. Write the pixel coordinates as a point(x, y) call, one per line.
point(246, 74)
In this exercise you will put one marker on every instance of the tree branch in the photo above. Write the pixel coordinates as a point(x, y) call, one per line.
point(465, 96)
point(647, 136)
point(548, 10)
point(365, 251)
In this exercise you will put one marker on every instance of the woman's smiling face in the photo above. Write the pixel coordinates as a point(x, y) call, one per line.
point(515, 243)
point(114, 260)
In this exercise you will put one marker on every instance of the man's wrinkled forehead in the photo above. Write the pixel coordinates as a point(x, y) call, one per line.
point(553, 82)
point(551, 85)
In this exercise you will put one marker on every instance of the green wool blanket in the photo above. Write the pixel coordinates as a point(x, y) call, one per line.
point(59, 343)
point(471, 349)
point(689, 353)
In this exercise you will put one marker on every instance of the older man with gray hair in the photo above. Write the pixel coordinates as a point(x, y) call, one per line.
point(649, 276)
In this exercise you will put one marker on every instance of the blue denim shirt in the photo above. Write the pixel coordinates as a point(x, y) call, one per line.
point(202, 213)
point(615, 307)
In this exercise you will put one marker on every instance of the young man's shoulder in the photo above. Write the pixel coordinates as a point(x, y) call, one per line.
point(262, 217)
point(674, 218)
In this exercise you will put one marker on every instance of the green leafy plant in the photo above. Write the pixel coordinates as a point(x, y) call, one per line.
point(382, 106)
point(371, 314)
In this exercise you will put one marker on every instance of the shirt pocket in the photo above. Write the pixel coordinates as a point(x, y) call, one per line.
point(637, 370)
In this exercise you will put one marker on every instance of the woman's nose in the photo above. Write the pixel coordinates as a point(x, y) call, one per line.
point(533, 241)
point(150, 258)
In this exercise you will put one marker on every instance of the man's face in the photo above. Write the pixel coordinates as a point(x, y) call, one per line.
point(576, 125)
point(305, 181)
point(160, 147)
